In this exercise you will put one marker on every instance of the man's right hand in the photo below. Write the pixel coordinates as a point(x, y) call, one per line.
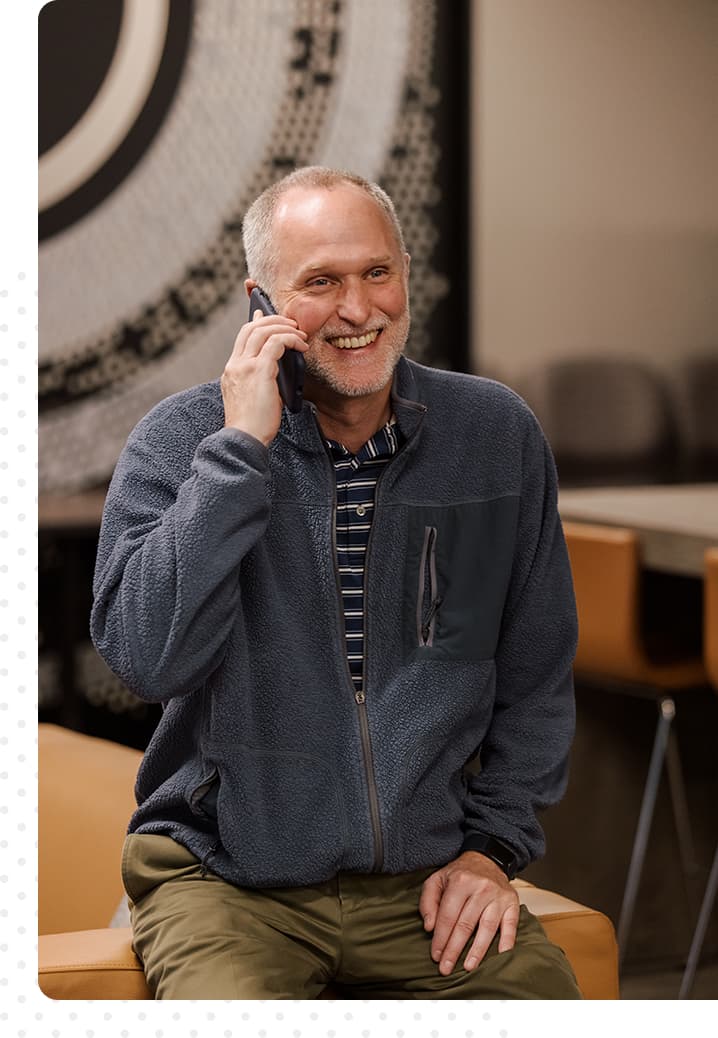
point(249, 382)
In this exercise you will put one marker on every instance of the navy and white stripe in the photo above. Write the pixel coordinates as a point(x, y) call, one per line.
point(356, 476)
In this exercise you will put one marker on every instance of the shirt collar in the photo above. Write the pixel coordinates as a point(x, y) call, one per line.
point(385, 442)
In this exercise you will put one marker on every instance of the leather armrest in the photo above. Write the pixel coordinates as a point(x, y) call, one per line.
point(586, 936)
point(96, 964)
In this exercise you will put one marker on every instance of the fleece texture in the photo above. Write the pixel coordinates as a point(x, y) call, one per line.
point(216, 594)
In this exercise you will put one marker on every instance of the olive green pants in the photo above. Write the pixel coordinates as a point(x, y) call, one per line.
point(199, 937)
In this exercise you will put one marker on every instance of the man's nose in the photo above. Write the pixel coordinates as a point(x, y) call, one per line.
point(353, 304)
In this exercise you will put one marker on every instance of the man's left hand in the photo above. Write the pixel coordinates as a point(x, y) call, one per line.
point(469, 892)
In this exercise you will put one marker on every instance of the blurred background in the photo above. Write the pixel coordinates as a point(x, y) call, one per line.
point(554, 164)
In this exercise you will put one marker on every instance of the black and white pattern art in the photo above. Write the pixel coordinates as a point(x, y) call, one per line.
point(160, 121)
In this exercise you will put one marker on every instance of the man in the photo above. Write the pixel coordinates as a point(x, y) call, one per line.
point(339, 610)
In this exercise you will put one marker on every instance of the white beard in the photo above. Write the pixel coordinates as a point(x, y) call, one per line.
point(353, 384)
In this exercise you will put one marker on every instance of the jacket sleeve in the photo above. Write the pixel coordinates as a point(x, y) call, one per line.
point(180, 515)
point(524, 756)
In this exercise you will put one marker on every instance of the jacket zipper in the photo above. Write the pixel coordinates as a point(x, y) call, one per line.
point(427, 591)
point(360, 700)
point(204, 864)
point(359, 697)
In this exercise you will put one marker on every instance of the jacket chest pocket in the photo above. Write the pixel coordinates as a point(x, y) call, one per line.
point(458, 567)
point(428, 598)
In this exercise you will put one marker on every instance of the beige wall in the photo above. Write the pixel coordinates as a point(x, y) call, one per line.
point(596, 180)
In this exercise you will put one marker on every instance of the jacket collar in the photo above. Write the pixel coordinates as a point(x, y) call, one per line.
point(302, 429)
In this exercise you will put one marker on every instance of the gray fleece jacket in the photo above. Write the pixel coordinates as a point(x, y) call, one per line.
point(216, 593)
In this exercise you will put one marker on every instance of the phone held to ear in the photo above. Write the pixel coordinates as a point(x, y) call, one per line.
point(291, 363)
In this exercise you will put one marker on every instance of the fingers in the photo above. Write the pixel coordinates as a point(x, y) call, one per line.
point(458, 907)
point(495, 917)
point(253, 336)
point(455, 924)
point(429, 900)
point(509, 928)
point(485, 922)
point(263, 366)
point(250, 393)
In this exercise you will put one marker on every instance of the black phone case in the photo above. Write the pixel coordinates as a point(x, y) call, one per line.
point(291, 363)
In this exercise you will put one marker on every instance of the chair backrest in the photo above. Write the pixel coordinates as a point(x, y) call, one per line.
point(85, 799)
point(710, 616)
point(695, 389)
point(605, 569)
point(608, 420)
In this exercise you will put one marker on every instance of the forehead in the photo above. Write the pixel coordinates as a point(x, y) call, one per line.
point(343, 216)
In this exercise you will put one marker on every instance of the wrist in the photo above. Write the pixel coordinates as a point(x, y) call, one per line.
point(493, 849)
point(242, 427)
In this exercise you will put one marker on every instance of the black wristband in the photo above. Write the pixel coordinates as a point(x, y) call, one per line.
point(494, 849)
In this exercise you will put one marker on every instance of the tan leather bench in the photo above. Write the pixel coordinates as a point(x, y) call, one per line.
point(85, 801)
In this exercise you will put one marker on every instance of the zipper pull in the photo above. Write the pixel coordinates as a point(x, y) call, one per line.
point(427, 623)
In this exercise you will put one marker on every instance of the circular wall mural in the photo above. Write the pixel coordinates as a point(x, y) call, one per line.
point(160, 121)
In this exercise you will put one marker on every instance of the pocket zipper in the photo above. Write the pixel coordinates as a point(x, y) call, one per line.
point(428, 591)
point(201, 791)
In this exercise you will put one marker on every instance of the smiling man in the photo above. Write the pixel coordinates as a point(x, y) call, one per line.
point(341, 283)
point(360, 621)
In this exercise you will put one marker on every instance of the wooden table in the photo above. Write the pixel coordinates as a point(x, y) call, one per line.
point(675, 523)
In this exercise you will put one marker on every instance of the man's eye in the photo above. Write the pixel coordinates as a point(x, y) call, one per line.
point(377, 272)
point(318, 282)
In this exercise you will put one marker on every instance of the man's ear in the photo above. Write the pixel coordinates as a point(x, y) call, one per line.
point(249, 284)
point(407, 263)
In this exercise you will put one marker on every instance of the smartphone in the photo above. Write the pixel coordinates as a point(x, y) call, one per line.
point(291, 363)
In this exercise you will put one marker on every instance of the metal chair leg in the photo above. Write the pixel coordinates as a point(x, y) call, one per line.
point(684, 832)
point(700, 932)
point(667, 711)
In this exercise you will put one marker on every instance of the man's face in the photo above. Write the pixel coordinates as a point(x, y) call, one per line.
point(342, 277)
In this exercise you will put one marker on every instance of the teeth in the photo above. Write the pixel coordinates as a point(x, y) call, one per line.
point(355, 343)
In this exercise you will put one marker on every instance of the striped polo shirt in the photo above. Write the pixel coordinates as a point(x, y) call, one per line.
point(356, 476)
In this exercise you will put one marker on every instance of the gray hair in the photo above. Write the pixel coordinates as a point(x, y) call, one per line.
point(259, 247)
